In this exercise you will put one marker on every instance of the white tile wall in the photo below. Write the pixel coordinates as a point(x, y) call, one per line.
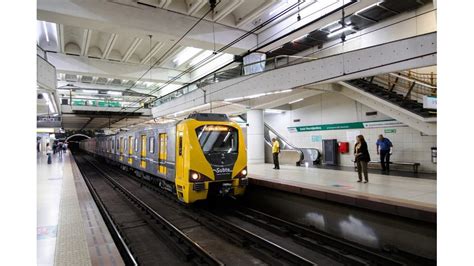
point(327, 108)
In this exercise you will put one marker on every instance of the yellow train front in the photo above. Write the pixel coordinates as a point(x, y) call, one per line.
point(201, 156)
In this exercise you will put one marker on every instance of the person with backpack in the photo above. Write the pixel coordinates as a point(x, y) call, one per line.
point(384, 149)
point(275, 152)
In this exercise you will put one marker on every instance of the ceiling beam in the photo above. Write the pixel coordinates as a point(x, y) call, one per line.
point(87, 123)
point(136, 42)
point(86, 39)
point(130, 21)
point(109, 46)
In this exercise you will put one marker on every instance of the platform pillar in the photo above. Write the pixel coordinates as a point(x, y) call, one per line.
point(255, 137)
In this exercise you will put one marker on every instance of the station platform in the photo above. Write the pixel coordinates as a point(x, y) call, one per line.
point(402, 196)
point(70, 229)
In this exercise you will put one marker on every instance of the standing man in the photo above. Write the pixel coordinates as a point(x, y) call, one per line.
point(384, 149)
point(275, 152)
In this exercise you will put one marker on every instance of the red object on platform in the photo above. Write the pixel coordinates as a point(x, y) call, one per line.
point(343, 147)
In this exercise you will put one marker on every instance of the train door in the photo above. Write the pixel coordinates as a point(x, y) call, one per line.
point(121, 149)
point(162, 156)
point(143, 152)
point(130, 150)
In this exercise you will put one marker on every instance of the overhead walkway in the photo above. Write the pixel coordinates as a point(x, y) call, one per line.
point(409, 53)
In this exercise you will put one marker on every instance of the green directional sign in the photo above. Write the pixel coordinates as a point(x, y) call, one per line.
point(353, 125)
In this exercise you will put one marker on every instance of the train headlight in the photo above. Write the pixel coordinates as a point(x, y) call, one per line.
point(195, 176)
point(244, 172)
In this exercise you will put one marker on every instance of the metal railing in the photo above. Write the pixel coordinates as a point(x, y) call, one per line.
point(411, 84)
point(233, 72)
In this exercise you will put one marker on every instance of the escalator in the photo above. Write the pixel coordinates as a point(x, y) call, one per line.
point(289, 154)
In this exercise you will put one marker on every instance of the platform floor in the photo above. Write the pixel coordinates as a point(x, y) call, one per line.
point(70, 230)
point(395, 190)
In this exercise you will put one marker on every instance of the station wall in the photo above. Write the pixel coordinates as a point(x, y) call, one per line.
point(332, 108)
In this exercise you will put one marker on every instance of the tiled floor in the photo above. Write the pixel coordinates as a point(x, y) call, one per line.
point(66, 234)
point(417, 192)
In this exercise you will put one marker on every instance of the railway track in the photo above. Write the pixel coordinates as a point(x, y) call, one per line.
point(245, 249)
point(272, 240)
point(145, 237)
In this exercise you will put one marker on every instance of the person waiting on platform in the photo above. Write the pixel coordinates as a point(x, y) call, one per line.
point(275, 152)
point(49, 152)
point(384, 149)
point(362, 158)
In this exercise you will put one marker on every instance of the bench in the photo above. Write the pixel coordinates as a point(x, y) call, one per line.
point(412, 164)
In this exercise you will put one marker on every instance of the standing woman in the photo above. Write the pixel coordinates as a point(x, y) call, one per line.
point(362, 157)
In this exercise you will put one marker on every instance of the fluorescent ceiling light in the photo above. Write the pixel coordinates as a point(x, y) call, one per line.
point(48, 101)
point(185, 55)
point(283, 91)
point(299, 38)
point(45, 29)
point(337, 32)
point(273, 111)
point(200, 57)
point(116, 93)
point(366, 8)
point(91, 91)
point(255, 96)
point(330, 24)
point(295, 101)
point(63, 90)
point(233, 99)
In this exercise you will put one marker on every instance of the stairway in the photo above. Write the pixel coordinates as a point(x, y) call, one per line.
point(387, 93)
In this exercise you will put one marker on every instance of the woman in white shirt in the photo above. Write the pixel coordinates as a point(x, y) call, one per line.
point(49, 151)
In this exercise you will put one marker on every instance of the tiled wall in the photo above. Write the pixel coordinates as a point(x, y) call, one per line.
point(409, 144)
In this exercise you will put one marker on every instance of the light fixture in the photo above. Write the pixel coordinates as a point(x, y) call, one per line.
point(91, 91)
point(185, 55)
point(283, 91)
point(366, 8)
point(299, 38)
point(233, 99)
point(295, 101)
point(48, 101)
point(115, 93)
point(273, 111)
point(45, 29)
point(337, 32)
point(255, 96)
point(200, 57)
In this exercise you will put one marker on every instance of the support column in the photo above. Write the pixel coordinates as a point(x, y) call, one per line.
point(255, 137)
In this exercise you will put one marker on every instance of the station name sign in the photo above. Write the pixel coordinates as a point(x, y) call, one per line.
point(341, 126)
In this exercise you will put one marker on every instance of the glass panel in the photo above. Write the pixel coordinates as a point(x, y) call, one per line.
point(216, 138)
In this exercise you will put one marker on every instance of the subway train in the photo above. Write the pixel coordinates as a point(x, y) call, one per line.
point(196, 158)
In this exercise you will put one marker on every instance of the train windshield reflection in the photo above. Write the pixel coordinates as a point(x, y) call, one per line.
point(218, 139)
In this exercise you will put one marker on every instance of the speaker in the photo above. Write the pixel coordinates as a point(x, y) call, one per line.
point(330, 151)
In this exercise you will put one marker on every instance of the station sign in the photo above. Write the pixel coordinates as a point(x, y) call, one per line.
point(430, 102)
point(342, 126)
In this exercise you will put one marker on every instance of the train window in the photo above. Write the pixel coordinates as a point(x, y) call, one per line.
point(217, 139)
point(180, 144)
point(117, 144)
point(136, 144)
point(152, 144)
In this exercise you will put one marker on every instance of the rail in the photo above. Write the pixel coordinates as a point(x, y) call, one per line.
point(184, 239)
point(411, 87)
point(119, 241)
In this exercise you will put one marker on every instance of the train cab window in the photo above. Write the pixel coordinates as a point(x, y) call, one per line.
point(152, 145)
point(180, 144)
point(218, 139)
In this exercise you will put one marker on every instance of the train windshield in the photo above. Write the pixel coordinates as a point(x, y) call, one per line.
point(218, 139)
